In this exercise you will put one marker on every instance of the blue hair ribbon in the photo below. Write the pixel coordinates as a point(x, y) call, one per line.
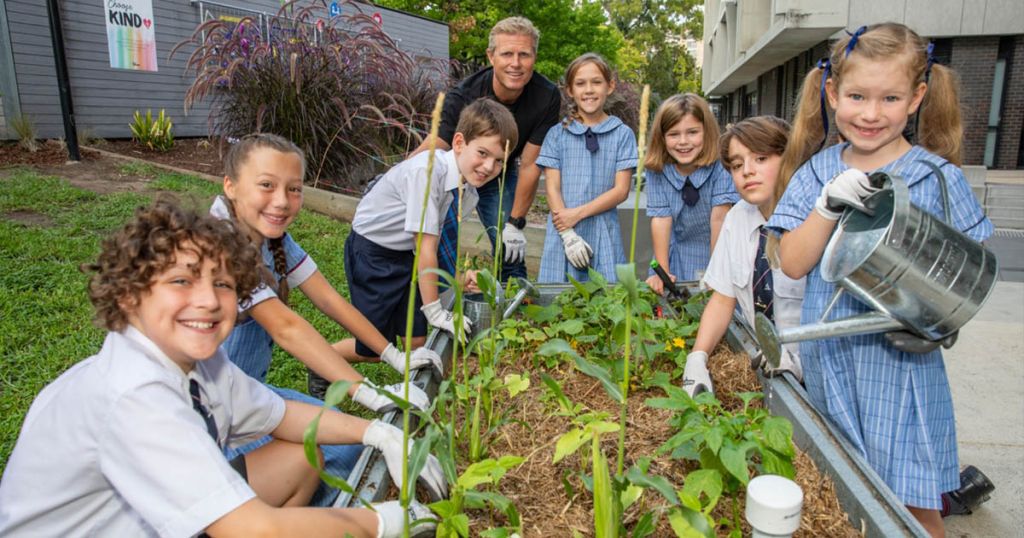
point(853, 38)
point(825, 65)
point(931, 60)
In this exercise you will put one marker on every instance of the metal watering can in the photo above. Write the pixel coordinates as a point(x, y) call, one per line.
point(917, 272)
point(479, 311)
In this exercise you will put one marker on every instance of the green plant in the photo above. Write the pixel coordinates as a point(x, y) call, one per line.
point(464, 494)
point(155, 134)
point(25, 128)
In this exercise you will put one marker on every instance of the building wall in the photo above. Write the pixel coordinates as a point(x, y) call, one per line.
point(105, 98)
point(1010, 152)
point(974, 59)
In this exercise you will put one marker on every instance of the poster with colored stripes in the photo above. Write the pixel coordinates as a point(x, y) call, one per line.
point(131, 34)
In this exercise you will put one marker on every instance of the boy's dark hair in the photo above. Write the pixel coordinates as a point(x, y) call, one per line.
point(487, 117)
point(145, 247)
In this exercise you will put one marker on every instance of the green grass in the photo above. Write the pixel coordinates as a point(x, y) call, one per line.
point(138, 169)
point(45, 315)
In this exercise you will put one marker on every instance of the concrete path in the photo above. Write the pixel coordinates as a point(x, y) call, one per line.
point(986, 373)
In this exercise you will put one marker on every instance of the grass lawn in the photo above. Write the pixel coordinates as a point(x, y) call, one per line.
point(49, 227)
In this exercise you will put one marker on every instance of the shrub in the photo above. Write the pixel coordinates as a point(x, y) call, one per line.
point(25, 128)
point(338, 87)
point(154, 134)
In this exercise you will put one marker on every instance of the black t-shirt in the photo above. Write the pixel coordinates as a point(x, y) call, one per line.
point(535, 111)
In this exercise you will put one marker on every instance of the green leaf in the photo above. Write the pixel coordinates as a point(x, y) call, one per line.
point(631, 495)
point(542, 314)
point(570, 442)
point(626, 273)
point(499, 532)
point(516, 383)
point(735, 462)
point(646, 525)
point(555, 347)
point(606, 524)
point(445, 508)
point(571, 326)
point(778, 435)
point(659, 483)
point(773, 463)
point(704, 481)
point(460, 522)
point(687, 523)
point(598, 427)
point(593, 370)
point(713, 437)
point(580, 288)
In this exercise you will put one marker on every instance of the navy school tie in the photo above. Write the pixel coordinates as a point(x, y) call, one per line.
point(197, 404)
point(590, 139)
point(764, 294)
point(690, 194)
point(446, 248)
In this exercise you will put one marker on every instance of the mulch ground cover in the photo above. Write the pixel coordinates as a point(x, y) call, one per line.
point(198, 154)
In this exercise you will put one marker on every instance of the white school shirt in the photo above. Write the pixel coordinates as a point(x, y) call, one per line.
point(113, 447)
point(731, 270)
point(389, 215)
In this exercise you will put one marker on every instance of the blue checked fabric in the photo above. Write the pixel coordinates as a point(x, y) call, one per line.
point(894, 407)
point(447, 252)
point(764, 291)
point(585, 175)
point(689, 247)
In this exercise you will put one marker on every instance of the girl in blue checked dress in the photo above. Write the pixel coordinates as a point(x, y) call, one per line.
point(893, 406)
point(588, 160)
point(688, 190)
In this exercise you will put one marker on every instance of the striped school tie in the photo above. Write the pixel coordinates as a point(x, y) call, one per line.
point(197, 404)
point(446, 248)
point(764, 294)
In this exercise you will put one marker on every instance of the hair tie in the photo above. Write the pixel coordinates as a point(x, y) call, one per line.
point(853, 38)
point(931, 60)
point(825, 65)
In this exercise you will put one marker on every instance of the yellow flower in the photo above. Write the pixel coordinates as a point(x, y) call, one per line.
point(668, 346)
point(574, 344)
point(679, 343)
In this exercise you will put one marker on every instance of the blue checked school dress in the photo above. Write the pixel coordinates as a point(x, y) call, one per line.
point(894, 407)
point(585, 176)
point(689, 248)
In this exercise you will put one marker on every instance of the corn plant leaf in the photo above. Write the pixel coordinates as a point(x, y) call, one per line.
point(646, 525)
point(334, 396)
point(556, 390)
point(626, 273)
point(704, 481)
point(688, 523)
point(570, 442)
point(420, 450)
point(636, 476)
point(735, 462)
point(606, 525)
point(593, 370)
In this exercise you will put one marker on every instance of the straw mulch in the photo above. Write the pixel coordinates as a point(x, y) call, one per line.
point(537, 486)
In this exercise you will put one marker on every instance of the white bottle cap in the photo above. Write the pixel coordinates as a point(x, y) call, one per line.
point(773, 505)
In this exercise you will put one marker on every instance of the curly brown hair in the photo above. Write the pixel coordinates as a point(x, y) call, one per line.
point(146, 246)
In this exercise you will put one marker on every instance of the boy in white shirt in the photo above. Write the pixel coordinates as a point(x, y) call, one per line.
point(740, 270)
point(129, 441)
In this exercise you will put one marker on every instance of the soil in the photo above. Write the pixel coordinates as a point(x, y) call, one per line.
point(50, 152)
point(198, 154)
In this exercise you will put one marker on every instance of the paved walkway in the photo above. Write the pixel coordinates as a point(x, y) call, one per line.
point(986, 373)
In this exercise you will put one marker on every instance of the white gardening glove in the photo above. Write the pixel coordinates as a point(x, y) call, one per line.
point(420, 358)
point(367, 396)
point(788, 362)
point(391, 520)
point(444, 319)
point(849, 188)
point(576, 249)
point(388, 439)
point(696, 378)
point(515, 244)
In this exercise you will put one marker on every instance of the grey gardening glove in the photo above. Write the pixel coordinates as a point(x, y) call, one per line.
point(849, 188)
point(788, 362)
point(576, 249)
point(420, 358)
point(445, 319)
point(367, 395)
point(515, 244)
point(391, 520)
point(696, 378)
point(388, 439)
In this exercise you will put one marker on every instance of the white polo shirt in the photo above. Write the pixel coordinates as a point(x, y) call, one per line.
point(389, 215)
point(731, 269)
point(113, 447)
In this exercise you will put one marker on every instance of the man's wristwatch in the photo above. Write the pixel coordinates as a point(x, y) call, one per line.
point(518, 222)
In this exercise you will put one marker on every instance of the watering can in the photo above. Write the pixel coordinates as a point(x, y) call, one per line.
point(479, 311)
point(918, 273)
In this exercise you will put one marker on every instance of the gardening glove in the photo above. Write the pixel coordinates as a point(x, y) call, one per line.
point(515, 244)
point(788, 362)
point(576, 249)
point(367, 395)
point(420, 358)
point(444, 319)
point(390, 520)
point(909, 342)
point(696, 378)
point(388, 439)
point(849, 188)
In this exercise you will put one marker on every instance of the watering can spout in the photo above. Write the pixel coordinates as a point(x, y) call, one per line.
point(771, 340)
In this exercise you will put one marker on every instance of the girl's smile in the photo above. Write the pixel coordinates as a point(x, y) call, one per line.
point(590, 90)
point(267, 194)
point(684, 140)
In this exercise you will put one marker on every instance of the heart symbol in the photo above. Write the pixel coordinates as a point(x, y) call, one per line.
point(147, 22)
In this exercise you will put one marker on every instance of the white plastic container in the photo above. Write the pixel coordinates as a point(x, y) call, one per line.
point(773, 506)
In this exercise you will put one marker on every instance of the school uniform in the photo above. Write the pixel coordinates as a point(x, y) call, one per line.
point(689, 247)
point(585, 175)
point(250, 347)
point(380, 250)
point(731, 270)
point(114, 447)
point(894, 407)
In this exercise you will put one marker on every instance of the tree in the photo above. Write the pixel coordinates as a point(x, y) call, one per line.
point(568, 28)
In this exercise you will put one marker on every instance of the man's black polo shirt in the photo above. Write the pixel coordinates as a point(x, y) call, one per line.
point(535, 111)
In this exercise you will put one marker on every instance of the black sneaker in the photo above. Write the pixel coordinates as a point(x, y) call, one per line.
point(975, 489)
point(316, 385)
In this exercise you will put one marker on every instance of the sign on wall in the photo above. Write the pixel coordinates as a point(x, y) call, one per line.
point(131, 34)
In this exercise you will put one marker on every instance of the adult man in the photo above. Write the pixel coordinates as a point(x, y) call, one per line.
point(534, 102)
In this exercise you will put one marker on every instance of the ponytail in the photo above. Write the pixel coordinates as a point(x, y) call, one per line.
point(280, 262)
point(940, 129)
point(276, 247)
point(808, 130)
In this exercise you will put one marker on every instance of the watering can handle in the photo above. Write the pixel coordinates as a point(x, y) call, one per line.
point(942, 187)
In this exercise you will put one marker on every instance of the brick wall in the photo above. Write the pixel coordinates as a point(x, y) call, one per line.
point(974, 58)
point(1012, 120)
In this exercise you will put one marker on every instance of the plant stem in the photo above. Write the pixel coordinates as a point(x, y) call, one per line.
point(404, 495)
point(645, 98)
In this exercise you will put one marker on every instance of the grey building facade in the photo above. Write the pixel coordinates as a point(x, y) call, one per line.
point(105, 98)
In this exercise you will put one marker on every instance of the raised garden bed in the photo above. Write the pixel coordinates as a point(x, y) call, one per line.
point(553, 499)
